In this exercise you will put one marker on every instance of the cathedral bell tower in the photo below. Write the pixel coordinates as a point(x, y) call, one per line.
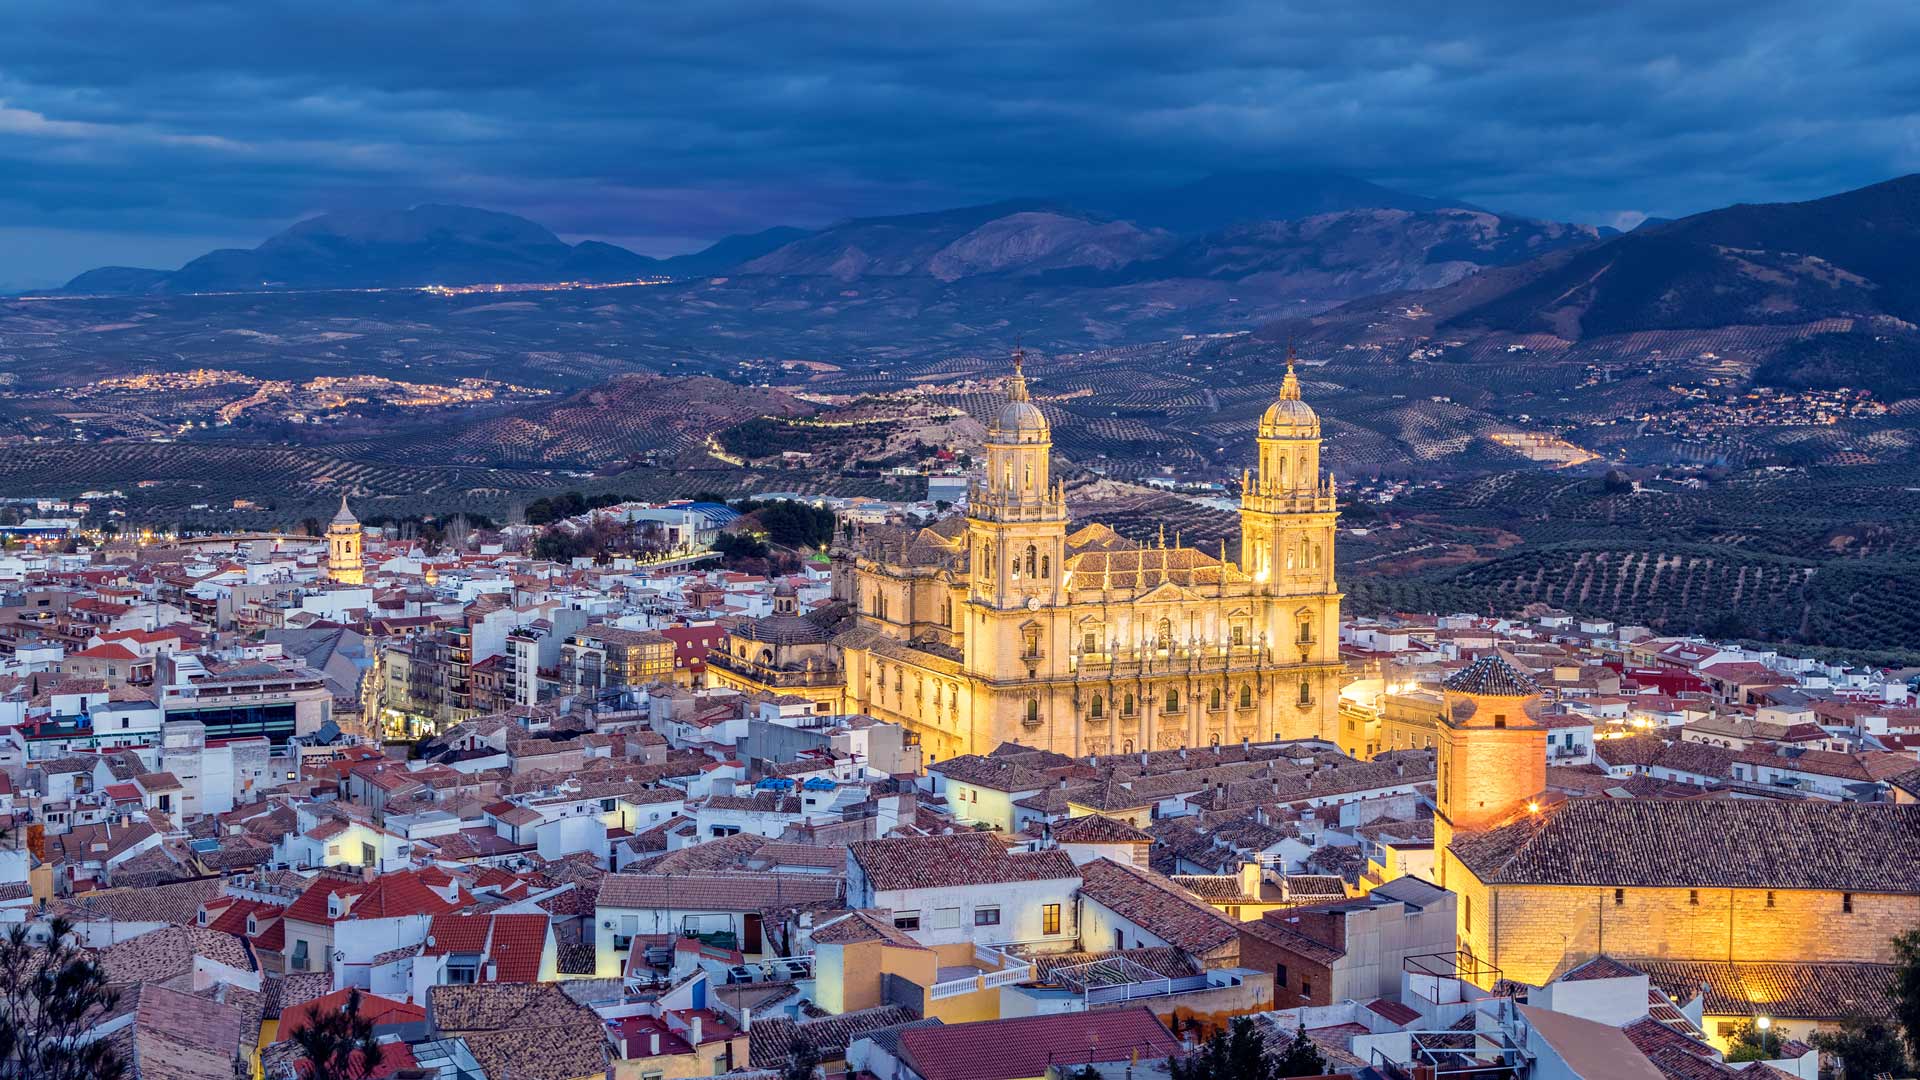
point(1287, 523)
point(1491, 750)
point(346, 562)
point(1286, 507)
point(1016, 514)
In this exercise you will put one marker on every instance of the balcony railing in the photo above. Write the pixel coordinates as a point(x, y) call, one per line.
point(773, 676)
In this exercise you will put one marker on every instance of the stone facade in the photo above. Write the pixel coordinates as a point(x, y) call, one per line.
point(1531, 932)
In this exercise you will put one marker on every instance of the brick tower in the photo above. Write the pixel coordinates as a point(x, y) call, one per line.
point(1491, 753)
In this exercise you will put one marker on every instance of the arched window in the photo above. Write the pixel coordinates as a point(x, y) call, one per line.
point(1126, 705)
point(1046, 566)
point(1173, 701)
point(1213, 739)
point(1033, 561)
point(1097, 708)
point(1033, 710)
point(1127, 747)
point(1306, 692)
point(1166, 633)
point(1213, 700)
point(1246, 695)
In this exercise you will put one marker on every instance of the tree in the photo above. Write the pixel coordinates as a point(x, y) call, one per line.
point(340, 1045)
point(802, 1060)
point(1906, 984)
point(1750, 1042)
point(50, 999)
point(1302, 1057)
point(1866, 1046)
point(1238, 1053)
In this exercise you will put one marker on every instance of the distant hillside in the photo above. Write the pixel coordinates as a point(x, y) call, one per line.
point(1327, 258)
point(1215, 202)
point(612, 423)
point(424, 245)
point(1019, 237)
point(1844, 256)
point(1359, 252)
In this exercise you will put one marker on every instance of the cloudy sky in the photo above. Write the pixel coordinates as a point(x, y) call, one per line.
point(145, 134)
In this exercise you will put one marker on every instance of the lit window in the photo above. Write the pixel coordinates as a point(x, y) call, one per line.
point(1050, 919)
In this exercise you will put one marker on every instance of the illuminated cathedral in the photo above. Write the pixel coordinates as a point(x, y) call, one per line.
point(1011, 623)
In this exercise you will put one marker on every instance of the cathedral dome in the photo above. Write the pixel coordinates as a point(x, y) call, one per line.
point(1289, 417)
point(344, 516)
point(1019, 419)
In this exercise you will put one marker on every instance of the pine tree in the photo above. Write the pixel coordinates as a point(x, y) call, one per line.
point(49, 1000)
point(1302, 1057)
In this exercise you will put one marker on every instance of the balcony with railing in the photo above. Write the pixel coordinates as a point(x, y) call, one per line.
point(769, 675)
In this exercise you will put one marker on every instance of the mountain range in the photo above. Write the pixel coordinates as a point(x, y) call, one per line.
point(1302, 237)
point(1842, 256)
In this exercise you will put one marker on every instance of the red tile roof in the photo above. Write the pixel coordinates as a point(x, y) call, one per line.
point(381, 1010)
point(312, 905)
point(516, 945)
point(457, 934)
point(393, 895)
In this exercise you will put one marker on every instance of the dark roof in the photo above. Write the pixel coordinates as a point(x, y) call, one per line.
point(938, 862)
point(1026, 1045)
point(1098, 829)
point(769, 1040)
point(717, 892)
point(1711, 843)
point(1788, 991)
point(1150, 900)
point(1491, 676)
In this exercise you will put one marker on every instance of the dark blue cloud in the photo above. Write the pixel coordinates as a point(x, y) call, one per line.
point(161, 128)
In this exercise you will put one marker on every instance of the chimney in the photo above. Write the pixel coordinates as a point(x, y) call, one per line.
point(653, 1044)
point(746, 1018)
point(1250, 878)
point(695, 1040)
point(493, 971)
point(1143, 759)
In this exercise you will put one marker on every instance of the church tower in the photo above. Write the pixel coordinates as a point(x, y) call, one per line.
point(1017, 515)
point(1010, 627)
point(1287, 522)
point(1491, 752)
point(346, 562)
